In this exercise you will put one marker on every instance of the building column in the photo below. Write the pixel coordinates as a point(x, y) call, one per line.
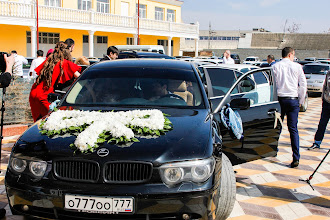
point(169, 47)
point(135, 39)
point(91, 43)
point(34, 39)
point(196, 47)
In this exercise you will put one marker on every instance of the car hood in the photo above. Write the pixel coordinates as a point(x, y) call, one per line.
point(189, 139)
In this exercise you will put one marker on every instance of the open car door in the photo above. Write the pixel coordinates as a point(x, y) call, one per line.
point(261, 121)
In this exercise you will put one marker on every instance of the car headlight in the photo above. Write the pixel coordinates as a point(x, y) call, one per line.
point(38, 168)
point(18, 164)
point(197, 171)
point(172, 176)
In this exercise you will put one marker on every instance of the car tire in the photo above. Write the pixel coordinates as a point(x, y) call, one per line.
point(226, 190)
point(304, 106)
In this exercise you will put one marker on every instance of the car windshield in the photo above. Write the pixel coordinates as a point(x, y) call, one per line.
point(318, 69)
point(138, 86)
point(250, 59)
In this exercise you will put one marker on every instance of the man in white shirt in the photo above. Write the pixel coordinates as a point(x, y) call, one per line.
point(35, 63)
point(227, 59)
point(291, 90)
point(18, 65)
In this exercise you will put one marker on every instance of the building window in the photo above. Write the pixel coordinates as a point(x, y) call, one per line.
point(85, 38)
point(28, 37)
point(44, 37)
point(103, 6)
point(164, 43)
point(130, 41)
point(102, 39)
point(143, 10)
point(53, 3)
point(170, 15)
point(217, 38)
point(84, 4)
point(159, 14)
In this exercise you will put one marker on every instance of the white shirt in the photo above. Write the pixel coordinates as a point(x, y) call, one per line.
point(35, 63)
point(18, 65)
point(228, 61)
point(290, 79)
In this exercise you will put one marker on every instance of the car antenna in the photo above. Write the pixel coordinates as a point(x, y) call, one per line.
point(311, 176)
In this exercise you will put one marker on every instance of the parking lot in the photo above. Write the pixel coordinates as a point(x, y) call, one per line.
point(267, 188)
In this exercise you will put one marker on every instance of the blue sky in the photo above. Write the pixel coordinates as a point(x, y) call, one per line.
point(312, 16)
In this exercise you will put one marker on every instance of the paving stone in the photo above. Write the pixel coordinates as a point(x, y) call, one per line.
point(286, 212)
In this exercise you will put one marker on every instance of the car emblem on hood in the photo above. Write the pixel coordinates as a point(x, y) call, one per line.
point(103, 152)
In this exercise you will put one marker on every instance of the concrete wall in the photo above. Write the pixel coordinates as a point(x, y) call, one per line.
point(17, 107)
point(297, 41)
point(263, 53)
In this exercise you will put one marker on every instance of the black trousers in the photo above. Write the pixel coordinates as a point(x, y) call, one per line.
point(290, 108)
point(325, 115)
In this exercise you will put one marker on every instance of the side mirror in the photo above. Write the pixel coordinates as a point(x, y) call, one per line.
point(54, 96)
point(240, 103)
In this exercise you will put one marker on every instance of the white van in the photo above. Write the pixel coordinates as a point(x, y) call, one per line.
point(147, 48)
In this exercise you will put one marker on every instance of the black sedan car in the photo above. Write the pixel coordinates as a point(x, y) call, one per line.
point(130, 140)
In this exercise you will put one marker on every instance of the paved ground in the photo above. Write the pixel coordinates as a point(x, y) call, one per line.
point(268, 188)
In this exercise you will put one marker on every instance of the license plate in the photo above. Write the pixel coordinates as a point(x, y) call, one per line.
point(104, 205)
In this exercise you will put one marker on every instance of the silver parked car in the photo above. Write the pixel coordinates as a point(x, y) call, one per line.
point(315, 75)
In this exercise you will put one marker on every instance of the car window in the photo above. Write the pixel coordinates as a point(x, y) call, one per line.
point(137, 87)
point(131, 56)
point(244, 70)
point(260, 78)
point(122, 56)
point(250, 59)
point(316, 69)
point(222, 80)
point(257, 93)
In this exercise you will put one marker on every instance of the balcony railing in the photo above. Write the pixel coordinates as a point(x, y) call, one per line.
point(21, 10)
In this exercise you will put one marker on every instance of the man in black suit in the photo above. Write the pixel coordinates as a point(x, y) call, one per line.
point(112, 54)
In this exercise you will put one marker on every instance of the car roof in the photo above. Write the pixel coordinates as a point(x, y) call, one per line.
point(146, 54)
point(233, 66)
point(142, 52)
point(147, 63)
point(238, 66)
point(317, 64)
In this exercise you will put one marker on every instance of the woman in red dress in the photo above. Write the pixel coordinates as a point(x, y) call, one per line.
point(57, 68)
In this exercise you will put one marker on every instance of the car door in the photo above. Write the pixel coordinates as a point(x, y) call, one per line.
point(261, 121)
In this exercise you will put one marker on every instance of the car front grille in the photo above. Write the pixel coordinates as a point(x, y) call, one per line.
point(127, 172)
point(113, 172)
point(77, 170)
